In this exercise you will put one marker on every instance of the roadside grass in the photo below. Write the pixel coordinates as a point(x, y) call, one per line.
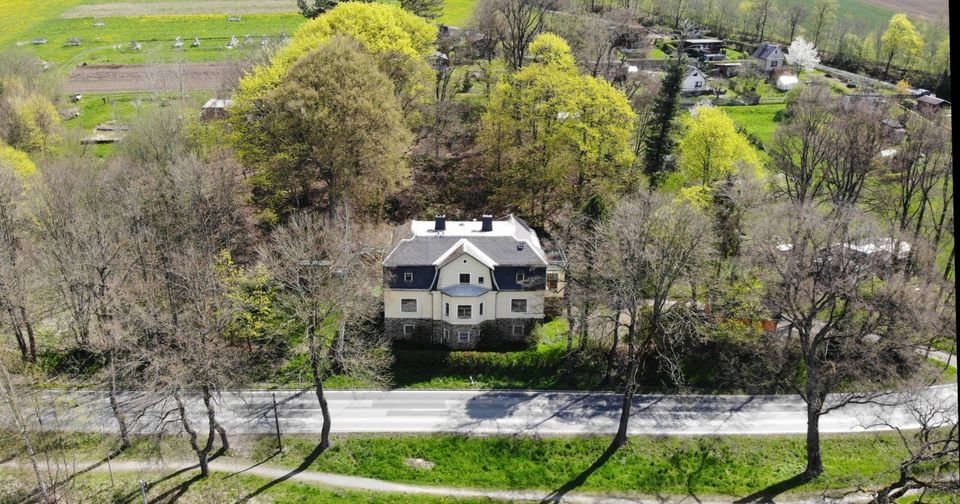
point(219, 487)
point(703, 466)
point(156, 35)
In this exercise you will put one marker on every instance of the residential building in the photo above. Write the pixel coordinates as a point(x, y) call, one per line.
point(457, 283)
point(769, 57)
point(694, 81)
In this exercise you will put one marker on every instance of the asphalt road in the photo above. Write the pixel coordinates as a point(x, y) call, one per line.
point(482, 412)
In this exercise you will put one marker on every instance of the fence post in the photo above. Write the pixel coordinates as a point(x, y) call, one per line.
point(276, 421)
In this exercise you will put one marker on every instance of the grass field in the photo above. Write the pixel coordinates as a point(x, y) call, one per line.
point(650, 465)
point(759, 120)
point(156, 35)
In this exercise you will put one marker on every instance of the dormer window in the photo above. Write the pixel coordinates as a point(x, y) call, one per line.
point(521, 277)
point(408, 276)
point(464, 278)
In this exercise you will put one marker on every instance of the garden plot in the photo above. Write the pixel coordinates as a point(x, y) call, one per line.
point(152, 78)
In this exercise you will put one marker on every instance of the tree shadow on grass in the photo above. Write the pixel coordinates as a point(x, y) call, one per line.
point(558, 494)
point(307, 461)
point(767, 494)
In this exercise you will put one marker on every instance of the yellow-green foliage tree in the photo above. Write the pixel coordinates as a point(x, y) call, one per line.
point(900, 40)
point(554, 137)
point(394, 43)
point(17, 160)
point(712, 147)
point(28, 120)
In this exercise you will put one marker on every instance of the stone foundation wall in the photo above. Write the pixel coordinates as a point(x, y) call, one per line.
point(488, 335)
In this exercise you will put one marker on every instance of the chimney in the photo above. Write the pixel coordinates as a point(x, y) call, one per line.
point(440, 223)
point(487, 224)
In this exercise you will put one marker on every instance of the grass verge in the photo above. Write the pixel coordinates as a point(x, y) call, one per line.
point(732, 466)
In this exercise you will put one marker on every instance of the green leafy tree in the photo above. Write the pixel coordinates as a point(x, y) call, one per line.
point(430, 9)
point(824, 12)
point(712, 148)
point(900, 39)
point(335, 120)
point(659, 142)
point(554, 137)
point(394, 43)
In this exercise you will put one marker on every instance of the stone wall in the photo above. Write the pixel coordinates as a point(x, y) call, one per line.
point(489, 335)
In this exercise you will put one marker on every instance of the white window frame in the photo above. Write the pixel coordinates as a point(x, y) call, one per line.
point(481, 309)
point(461, 334)
point(480, 280)
point(514, 330)
point(521, 276)
point(411, 328)
point(416, 305)
point(464, 275)
point(525, 305)
point(408, 276)
point(469, 308)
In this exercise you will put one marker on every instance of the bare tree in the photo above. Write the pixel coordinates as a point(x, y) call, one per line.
point(857, 136)
point(327, 272)
point(82, 239)
point(9, 396)
point(932, 451)
point(16, 264)
point(647, 247)
point(849, 311)
point(801, 146)
point(186, 218)
point(516, 23)
point(794, 15)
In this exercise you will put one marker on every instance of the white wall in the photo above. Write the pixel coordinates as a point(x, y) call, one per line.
point(391, 304)
point(489, 301)
point(450, 273)
point(690, 82)
point(534, 304)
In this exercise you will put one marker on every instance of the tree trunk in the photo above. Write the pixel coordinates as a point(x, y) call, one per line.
point(814, 407)
point(18, 335)
point(8, 394)
point(886, 69)
point(316, 368)
point(115, 404)
point(630, 384)
point(612, 354)
point(192, 434)
point(31, 339)
point(571, 327)
point(212, 420)
point(338, 347)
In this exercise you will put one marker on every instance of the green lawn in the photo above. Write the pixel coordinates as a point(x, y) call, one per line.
point(156, 35)
point(731, 466)
point(456, 12)
point(757, 119)
point(219, 487)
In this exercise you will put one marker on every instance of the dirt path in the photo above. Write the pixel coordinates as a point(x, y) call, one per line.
point(232, 7)
point(154, 77)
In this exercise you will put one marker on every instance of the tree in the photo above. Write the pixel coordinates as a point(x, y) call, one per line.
point(516, 23)
point(824, 11)
point(900, 39)
point(801, 145)
point(852, 314)
point(712, 147)
point(647, 247)
point(658, 141)
point(336, 120)
point(429, 9)
point(802, 54)
point(327, 277)
point(17, 264)
point(856, 135)
point(761, 11)
point(554, 137)
point(794, 15)
point(931, 451)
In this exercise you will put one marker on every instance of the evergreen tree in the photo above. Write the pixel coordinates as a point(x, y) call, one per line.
point(429, 9)
point(658, 141)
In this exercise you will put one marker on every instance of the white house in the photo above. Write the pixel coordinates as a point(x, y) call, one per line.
point(457, 283)
point(769, 57)
point(694, 81)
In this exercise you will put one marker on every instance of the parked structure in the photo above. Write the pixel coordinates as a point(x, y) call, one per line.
point(707, 49)
point(215, 108)
point(930, 104)
point(769, 57)
point(459, 283)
